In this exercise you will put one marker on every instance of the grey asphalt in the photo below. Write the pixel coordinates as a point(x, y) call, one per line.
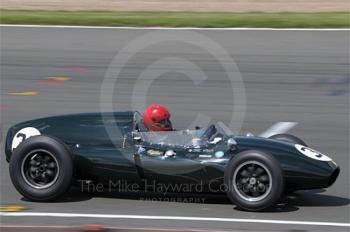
point(298, 76)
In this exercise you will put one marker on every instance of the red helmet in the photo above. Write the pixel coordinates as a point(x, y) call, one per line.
point(156, 118)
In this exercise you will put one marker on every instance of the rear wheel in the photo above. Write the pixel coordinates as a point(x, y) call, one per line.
point(288, 138)
point(255, 180)
point(41, 168)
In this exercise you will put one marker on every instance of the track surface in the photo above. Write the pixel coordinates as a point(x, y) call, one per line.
point(300, 76)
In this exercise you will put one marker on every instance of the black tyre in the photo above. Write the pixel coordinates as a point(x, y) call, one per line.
point(254, 180)
point(288, 138)
point(41, 168)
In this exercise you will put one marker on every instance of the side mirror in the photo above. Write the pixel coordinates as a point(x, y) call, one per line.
point(170, 154)
point(231, 144)
point(249, 134)
point(137, 138)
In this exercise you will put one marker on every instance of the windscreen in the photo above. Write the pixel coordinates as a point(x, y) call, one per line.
point(187, 138)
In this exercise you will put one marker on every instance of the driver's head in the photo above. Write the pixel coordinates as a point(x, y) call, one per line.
point(157, 118)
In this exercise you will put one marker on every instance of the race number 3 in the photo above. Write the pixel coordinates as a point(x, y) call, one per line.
point(311, 153)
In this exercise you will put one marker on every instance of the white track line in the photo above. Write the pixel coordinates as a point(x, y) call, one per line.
point(177, 28)
point(5, 226)
point(278, 128)
point(146, 217)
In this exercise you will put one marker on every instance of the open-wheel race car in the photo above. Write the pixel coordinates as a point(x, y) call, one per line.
point(46, 156)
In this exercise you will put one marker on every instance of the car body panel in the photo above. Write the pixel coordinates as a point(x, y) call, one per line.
point(104, 149)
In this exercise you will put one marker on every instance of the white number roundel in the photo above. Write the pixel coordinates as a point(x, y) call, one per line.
point(24, 134)
point(311, 153)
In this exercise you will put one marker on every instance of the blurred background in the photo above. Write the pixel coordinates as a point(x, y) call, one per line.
point(182, 5)
point(291, 75)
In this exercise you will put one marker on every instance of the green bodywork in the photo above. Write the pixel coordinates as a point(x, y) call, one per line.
point(105, 150)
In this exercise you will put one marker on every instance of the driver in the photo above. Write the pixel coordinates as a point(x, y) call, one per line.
point(157, 118)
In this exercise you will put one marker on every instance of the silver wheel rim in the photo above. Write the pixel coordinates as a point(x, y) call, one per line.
point(40, 169)
point(252, 181)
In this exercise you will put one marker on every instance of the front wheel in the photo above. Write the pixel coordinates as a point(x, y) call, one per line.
point(254, 180)
point(41, 168)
